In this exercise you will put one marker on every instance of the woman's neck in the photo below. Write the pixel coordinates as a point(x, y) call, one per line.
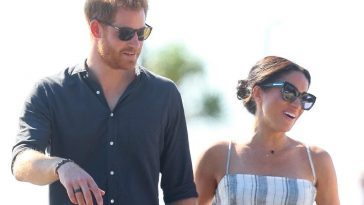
point(269, 142)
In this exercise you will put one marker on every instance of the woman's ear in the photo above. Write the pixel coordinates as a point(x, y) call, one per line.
point(95, 29)
point(257, 94)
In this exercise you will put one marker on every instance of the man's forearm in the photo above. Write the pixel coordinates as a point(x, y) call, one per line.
point(35, 167)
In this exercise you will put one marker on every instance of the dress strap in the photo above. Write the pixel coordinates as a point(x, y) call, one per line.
point(311, 164)
point(228, 159)
point(227, 171)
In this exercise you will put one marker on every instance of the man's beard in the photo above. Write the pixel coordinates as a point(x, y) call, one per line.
point(113, 58)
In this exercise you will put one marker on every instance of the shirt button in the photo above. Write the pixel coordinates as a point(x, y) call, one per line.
point(111, 143)
point(98, 92)
point(112, 201)
point(111, 172)
point(111, 114)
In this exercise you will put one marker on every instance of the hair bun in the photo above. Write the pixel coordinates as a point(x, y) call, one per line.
point(243, 89)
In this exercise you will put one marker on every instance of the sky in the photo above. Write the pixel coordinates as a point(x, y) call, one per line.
point(41, 37)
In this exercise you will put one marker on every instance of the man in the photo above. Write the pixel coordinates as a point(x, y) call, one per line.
point(108, 127)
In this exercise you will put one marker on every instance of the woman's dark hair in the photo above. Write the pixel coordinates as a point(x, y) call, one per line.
point(267, 70)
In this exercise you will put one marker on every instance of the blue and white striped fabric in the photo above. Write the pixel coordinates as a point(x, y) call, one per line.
point(250, 189)
point(246, 189)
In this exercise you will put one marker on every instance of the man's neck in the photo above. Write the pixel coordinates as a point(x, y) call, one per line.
point(107, 76)
point(113, 81)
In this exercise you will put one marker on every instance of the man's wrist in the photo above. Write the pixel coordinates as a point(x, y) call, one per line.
point(61, 163)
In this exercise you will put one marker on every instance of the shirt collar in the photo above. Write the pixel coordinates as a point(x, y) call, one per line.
point(83, 69)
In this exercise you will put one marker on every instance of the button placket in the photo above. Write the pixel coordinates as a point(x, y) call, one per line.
point(112, 136)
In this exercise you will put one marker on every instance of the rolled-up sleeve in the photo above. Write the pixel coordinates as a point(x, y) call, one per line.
point(176, 166)
point(34, 123)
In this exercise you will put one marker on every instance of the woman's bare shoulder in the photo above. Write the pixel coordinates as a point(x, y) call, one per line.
point(321, 158)
point(211, 163)
point(217, 149)
point(319, 152)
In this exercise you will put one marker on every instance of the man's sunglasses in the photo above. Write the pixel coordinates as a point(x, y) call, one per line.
point(126, 33)
point(290, 93)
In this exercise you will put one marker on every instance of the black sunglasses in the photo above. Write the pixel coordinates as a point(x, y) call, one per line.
point(290, 93)
point(126, 33)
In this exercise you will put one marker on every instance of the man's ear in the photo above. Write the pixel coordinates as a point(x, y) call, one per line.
point(95, 28)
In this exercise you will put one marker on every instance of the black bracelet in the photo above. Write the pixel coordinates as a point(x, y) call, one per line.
point(62, 162)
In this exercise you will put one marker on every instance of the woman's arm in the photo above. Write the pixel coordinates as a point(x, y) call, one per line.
point(327, 191)
point(210, 168)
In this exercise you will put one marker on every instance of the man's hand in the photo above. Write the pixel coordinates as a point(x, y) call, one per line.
point(79, 185)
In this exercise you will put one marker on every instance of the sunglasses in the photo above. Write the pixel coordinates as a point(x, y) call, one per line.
point(126, 33)
point(290, 93)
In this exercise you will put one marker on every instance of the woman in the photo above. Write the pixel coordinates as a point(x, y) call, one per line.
point(272, 168)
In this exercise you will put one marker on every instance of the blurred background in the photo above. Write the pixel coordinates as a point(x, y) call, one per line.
point(205, 47)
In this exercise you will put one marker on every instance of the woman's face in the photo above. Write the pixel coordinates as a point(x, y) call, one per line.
point(275, 112)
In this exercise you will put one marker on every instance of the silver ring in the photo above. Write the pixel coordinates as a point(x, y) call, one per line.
point(77, 190)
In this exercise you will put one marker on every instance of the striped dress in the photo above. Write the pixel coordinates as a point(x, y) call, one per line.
point(248, 189)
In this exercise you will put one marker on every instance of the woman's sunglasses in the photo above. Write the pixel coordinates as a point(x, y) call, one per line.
point(290, 93)
point(126, 33)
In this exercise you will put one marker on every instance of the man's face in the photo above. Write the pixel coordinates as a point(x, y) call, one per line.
point(116, 53)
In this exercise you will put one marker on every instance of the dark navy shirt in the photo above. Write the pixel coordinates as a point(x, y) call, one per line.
point(124, 149)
